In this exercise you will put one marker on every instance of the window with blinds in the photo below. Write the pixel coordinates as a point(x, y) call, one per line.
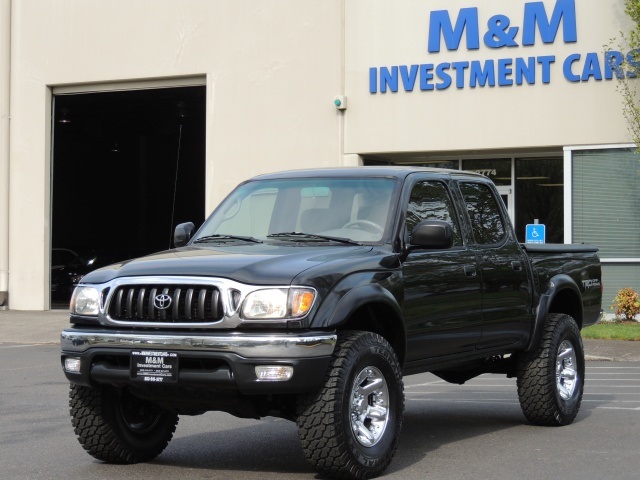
point(606, 201)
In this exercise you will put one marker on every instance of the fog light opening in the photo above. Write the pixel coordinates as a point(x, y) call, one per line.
point(72, 365)
point(274, 373)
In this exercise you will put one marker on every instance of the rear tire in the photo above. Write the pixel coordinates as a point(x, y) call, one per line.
point(350, 428)
point(551, 379)
point(118, 427)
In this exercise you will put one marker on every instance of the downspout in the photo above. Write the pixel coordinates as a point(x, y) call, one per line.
point(5, 86)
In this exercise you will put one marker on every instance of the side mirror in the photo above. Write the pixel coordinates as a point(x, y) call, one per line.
point(432, 235)
point(182, 234)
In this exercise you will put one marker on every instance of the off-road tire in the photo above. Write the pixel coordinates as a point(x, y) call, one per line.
point(551, 379)
point(118, 427)
point(361, 401)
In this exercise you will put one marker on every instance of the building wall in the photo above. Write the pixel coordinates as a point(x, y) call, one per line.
point(272, 69)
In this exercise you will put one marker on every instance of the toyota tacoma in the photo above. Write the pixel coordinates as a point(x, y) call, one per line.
point(308, 295)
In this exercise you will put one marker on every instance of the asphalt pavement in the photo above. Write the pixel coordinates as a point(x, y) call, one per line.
point(44, 327)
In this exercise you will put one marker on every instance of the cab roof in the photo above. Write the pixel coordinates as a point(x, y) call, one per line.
point(400, 172)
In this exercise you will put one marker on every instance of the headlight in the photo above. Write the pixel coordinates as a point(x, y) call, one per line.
point(85, 301)
point(278, 303)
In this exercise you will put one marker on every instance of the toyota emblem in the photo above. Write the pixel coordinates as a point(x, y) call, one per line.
point(162, 301)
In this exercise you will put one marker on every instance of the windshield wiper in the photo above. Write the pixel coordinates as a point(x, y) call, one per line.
point(223, 237)
point(312, 236)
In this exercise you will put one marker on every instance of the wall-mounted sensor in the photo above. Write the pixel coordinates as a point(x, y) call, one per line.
point(340, 102)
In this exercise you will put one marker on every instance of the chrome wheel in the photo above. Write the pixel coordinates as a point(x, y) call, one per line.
point(350, 427)
point(566, 376)
point(557, 361)
point(369, 406)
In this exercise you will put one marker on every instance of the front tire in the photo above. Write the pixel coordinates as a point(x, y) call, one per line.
point(551, 380)
point(350, 428)
point(118, 427)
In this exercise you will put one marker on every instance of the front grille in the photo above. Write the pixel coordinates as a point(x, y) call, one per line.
point(187, 304)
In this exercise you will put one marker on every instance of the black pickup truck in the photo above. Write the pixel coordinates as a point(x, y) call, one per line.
point(307, 295)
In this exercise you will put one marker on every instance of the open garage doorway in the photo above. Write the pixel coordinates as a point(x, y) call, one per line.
point(127, 167)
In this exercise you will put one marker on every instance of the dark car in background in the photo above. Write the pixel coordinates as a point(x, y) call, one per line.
point(69, 265)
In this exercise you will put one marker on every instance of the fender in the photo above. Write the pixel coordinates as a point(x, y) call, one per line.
point(356, 290)
point(556, 285)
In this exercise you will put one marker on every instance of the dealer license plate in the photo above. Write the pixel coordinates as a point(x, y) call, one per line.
point(154, 366)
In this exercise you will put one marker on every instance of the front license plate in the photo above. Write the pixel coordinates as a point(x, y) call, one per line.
point(154, 366)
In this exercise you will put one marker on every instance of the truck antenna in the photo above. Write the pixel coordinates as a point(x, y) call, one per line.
point(175, 187)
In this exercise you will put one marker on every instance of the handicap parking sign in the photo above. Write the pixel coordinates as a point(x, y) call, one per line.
point(535, 233)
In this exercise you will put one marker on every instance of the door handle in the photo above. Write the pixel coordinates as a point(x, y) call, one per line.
point(517, 266)
point(470, 271)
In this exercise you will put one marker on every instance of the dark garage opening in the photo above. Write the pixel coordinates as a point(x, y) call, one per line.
point(127, 167)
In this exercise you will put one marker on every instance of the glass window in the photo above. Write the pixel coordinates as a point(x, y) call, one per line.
point(353, 208)
point(540, 196)
point(450, 164)
point(484, 213)
point(499, 170)
point(606, 201)
point(606, 206)
point(431, 201)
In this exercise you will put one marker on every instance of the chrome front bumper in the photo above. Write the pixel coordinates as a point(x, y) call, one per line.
point(297, 345)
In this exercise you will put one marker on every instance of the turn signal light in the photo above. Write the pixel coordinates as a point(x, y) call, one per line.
point(301, 301)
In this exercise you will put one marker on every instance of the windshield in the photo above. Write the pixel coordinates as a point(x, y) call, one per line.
point(326, 209)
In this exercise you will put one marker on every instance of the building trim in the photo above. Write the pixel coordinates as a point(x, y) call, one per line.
point(620, 260)
point(568, 196)
point(600, 147)
point(131, 84)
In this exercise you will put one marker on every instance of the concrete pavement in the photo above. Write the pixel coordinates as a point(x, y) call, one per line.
point(29, 327)
point(44, 327)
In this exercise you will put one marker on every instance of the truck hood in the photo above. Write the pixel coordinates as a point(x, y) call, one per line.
point(263, 264)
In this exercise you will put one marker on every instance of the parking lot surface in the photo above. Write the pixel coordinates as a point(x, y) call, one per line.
point(455, 432)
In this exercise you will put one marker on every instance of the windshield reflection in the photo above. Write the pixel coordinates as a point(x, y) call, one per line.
point(326, 210)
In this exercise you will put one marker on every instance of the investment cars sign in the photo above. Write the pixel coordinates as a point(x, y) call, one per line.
point(538, 24)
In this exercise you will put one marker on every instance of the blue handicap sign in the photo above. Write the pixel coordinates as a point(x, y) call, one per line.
point(535, 233)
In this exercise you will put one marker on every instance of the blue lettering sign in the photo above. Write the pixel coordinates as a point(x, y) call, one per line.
point(526, 69)
point(538, 24)
point(408, 76)
point(443, 75)
point(591, 67)
point(373, 80)
point(460, 67)
point(504, 71)
point(388, 78)
point(567, 67)
point(426, 76)
point(546, 62)
point(596, 67)
point(440, 23)
point(633, 59)
point(480, 76)
point(612, 63)
point(536, 15)
point(499, 34)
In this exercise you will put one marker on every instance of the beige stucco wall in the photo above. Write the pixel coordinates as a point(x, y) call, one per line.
point(272, 69)
point(385, 33)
